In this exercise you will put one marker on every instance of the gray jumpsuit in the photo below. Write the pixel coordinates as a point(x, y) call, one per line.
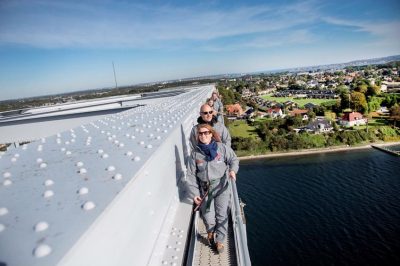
point(219, 107)
point(214, 208)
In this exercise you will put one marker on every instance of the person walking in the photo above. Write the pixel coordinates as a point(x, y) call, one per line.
point(210, 102)
point(218, 106)
point(210, 167)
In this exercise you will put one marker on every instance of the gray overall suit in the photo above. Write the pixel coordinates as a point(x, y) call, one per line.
point(219, 107)
point(212, 175)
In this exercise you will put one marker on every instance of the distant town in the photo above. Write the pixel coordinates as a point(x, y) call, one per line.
point(292, 111)
point(302, 108)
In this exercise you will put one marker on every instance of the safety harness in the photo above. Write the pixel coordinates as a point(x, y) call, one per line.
point(209, 187)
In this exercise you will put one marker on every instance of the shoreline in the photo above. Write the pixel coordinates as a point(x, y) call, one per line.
point(315, 151)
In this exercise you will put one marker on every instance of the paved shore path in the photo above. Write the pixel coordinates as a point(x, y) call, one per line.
point(322, 150)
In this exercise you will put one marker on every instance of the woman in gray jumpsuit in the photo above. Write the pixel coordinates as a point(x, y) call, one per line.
point(210, 166)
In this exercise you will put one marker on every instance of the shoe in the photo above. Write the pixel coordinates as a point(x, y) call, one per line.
point(220, 247)
point(210, 238)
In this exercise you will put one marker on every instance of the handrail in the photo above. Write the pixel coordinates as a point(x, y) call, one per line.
point(239, 227)
point(192, 245)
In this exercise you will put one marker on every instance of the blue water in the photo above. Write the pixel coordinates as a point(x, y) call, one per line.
point(323, 209)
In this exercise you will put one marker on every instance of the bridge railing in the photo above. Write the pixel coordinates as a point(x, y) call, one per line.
point(239, 228)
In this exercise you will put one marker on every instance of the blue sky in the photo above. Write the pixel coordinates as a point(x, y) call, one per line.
point(49, 46)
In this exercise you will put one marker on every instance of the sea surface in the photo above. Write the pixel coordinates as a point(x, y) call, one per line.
point(323, 209)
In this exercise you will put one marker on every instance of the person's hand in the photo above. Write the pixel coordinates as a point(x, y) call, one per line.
point(232, 175)
point(197, 200)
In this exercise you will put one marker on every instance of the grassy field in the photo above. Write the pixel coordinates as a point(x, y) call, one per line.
point(300, 102)
point(374, 122)
point(240, 128)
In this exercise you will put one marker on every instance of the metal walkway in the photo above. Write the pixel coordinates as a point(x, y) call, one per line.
point(205, 255)
point(236, 250)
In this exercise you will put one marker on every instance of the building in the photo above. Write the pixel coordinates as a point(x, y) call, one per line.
point(234, 110)
point(249, 113)
point(266, 91)
point(246, 93)
point(310, 106)
point(301, 112)
point(319, 125)
point(290, 105)
point(390, 86)
point(350, 119)
point(274, 112)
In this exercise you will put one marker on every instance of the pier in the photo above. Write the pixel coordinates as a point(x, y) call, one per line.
point(384, 149)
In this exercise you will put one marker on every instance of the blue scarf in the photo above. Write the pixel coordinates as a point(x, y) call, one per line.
point(210, 150)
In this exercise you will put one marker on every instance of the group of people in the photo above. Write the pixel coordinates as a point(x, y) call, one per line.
point(212, 163)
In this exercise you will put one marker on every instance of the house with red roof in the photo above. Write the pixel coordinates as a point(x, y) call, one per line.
point(350, 119)
point(274, 112)
point(301, 112)
point(234, 110)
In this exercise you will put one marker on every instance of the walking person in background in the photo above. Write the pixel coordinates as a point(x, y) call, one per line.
point(207, 117)
point(210, 102)
point(218, 107)
point(210, 166)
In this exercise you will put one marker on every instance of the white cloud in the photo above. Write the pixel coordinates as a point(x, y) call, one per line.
point(385, 33)
point(268, 40)
point(81, 24)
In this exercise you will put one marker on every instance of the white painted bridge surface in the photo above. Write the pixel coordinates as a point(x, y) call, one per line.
point(34, 123)
point(104, 193)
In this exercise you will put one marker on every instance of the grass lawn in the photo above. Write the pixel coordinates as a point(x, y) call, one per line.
point(260, 119)
point(374, 122)
point(300, 102)
point(377, 122)
point(240, 128)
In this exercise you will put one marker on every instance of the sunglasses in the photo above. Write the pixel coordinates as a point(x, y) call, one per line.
point(207, 113)
point(205, 133)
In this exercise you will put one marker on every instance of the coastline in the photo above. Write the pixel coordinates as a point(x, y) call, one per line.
point(313, 151)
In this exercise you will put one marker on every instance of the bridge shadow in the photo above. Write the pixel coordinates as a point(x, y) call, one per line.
point(185, 147)
point(180, 181)
point(181, 160)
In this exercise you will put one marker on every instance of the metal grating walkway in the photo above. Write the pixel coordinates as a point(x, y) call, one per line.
point(205, 255)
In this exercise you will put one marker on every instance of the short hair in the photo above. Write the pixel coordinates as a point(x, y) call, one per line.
point(214, 133)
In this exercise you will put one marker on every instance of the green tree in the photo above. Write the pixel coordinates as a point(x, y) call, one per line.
point(374, 103)
point(320, 110)
point(390, 100)
point(229, 96)
point(363, 88)
point(311, 115)
point(278, 143)
point(373, 90)
point(294, 121)
point(395, 114)
point(344, 95)
point(295, 142)
point(359, 102)
point(296, 87)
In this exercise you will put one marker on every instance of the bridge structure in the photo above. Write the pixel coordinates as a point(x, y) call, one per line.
point(109, 192)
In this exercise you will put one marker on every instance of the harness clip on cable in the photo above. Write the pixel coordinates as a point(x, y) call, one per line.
point(201, 201)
